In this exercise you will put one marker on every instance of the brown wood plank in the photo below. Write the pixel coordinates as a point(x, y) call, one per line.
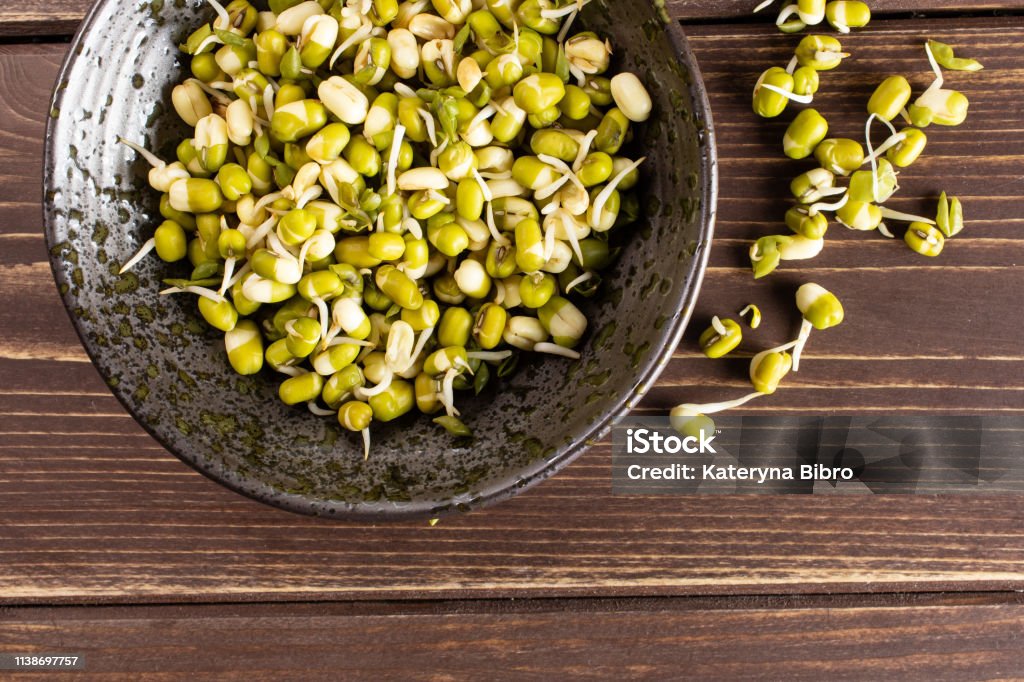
point(94, 510)
point(632, 640)
point(59, 18)
point(129, 522)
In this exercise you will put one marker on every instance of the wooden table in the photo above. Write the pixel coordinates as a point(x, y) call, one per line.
point(111, 547)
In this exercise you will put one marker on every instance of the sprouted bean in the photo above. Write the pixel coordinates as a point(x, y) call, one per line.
point(755, 315)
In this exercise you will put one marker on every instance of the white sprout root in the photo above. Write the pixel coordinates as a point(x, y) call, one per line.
point(562, 34)
point(560, 12)
point(411, 224)
point(208, 40)
point(222, 13)
point(323, 317)
point(428, 121)
point(800, 99)
point(755, 253)
point(421, 343)
point(783, 347)
point(289, 370)
point(492, 227)
point(396, 146)
point(366, 443)
point(693, 409)
point(889, 143)
point(447, 395)
point(229, 268)
point(581, 155)
point(555, 349)
point(602, 198)
point(549, 243)
point(872, 157)
point(548, 190)
point(816, 208)
point(437, 151)
point(462, 364)
point(831, 192)
point(484, 187)
point(404, 90)
point(904, 217)
point(801, 341)
point(363, 31)
point(939, 80)
point(303, 252)
point(149, 156)
point(268, 100)
point(311, 194)
point(585, 277)
point(211, 90)
point(570, 233)
point(319, 411)
point(384, 384)
point(199, 291)
point(482, 116)
point(257, 123)
point(785, 13)
point(147, 246)
point(489, 356)
point(267, 199)
point(873, 154)
point(829, 55)
point(348, 340)
point(577, 73)
point(332, 188)
point(242, 272)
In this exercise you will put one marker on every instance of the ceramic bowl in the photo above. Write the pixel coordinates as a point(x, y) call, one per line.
point(169, 369)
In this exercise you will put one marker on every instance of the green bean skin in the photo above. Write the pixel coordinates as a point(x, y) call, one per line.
point(244, 347)
point(804, 134)
point(768, 372)
point(715, 344)
point(170, 241)
point(219, 315)
point(397, 400)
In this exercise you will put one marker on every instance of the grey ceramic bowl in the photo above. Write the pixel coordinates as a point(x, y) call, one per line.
point(170, 372)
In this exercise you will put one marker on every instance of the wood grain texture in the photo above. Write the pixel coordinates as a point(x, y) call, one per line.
point(92, 510)
point(61, 17)
point(495, 640)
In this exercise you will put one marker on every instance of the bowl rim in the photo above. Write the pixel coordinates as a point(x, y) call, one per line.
point(502, 488)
